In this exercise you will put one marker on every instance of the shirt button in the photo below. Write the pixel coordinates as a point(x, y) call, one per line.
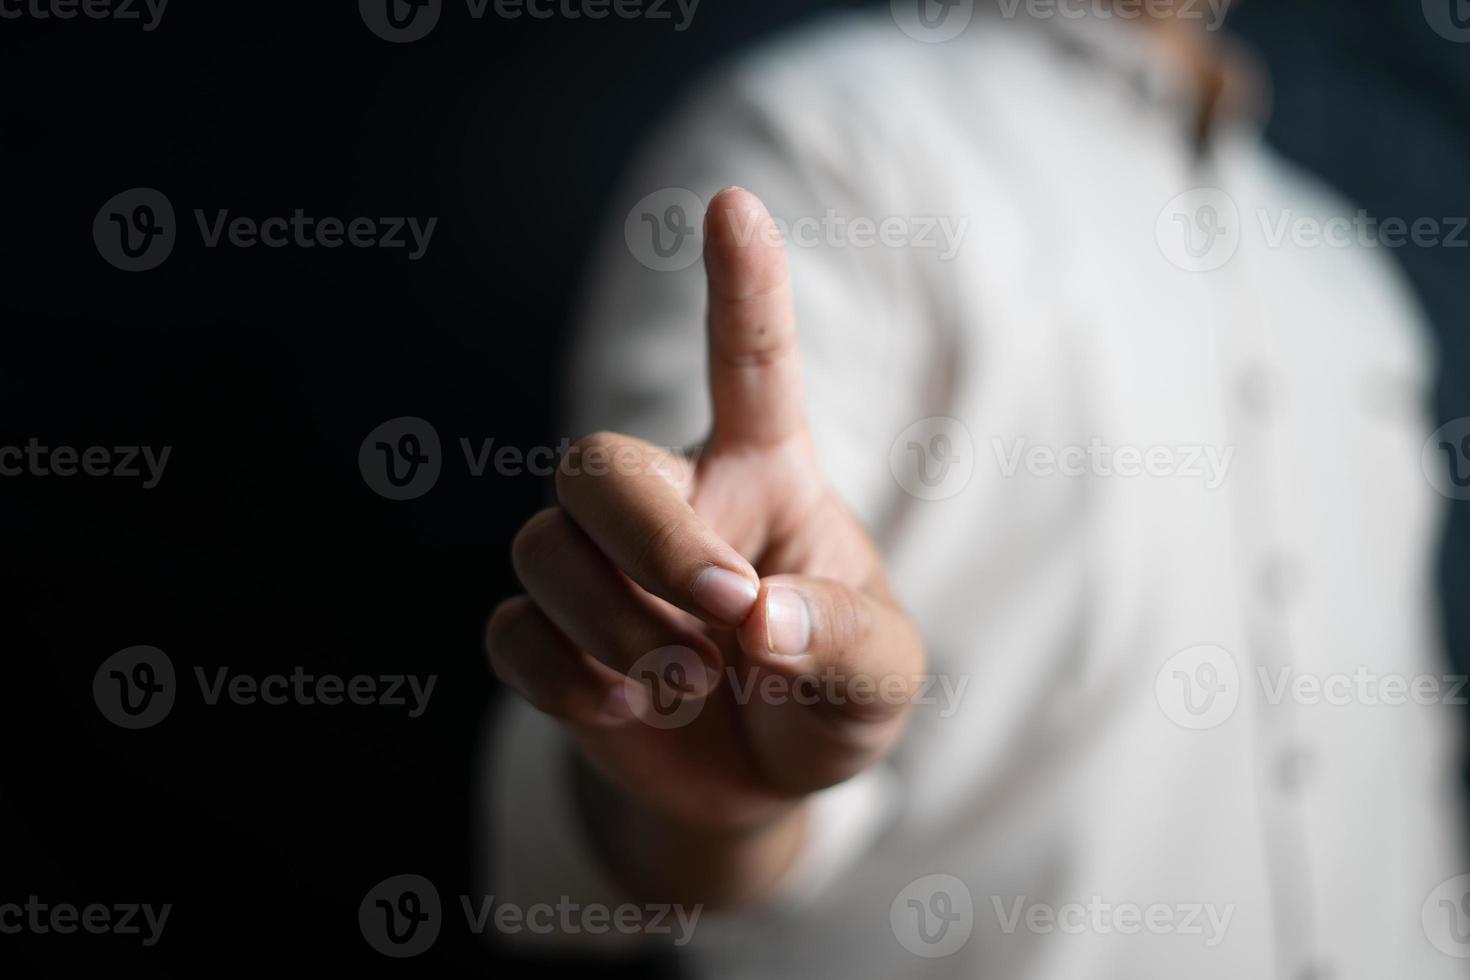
point(1280, 580)
point(1316, 971)
point(1258, 389)
point(1295, 765)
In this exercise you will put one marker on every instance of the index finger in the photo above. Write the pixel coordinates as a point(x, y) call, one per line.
point(754, 365)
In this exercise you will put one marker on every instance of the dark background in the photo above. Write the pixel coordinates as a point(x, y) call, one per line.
point(262, 548)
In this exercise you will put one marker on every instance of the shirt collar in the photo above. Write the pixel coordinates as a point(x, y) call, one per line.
point(1135, 57)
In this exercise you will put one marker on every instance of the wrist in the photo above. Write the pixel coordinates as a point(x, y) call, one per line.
point(656, 858)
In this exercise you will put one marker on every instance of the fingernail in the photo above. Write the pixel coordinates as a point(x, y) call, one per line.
point(725, 594)
point(788, 622)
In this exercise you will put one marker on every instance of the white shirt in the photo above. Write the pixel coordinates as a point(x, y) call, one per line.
point(1274, 524)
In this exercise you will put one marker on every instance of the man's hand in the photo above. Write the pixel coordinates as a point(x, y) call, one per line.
point(717, 635)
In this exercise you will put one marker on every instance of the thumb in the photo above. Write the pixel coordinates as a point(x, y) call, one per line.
point(754, 365)
point(866, 644)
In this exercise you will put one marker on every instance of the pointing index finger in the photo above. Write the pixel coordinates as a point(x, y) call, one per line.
point(754, 365)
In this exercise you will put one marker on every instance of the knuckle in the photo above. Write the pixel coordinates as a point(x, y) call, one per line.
point(511, 639)
point(501, 627)
point(539, 538)
point(651, 564)
point(586, 458)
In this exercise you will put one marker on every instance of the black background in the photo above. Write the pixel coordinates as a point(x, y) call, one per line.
point(262, 548)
